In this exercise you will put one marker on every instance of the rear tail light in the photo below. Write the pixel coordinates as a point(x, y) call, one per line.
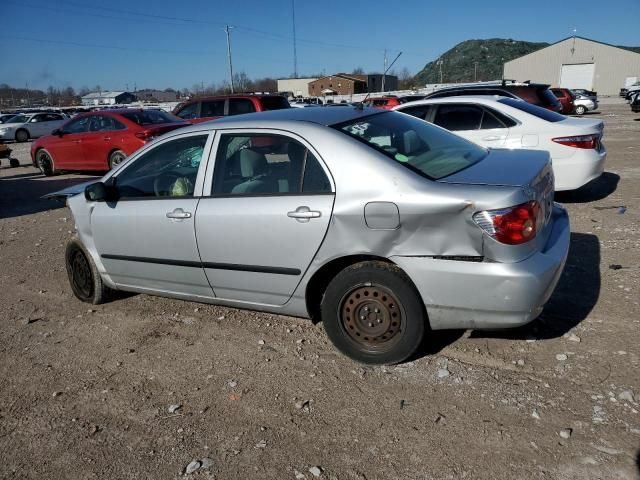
point(579, 141)
point(146, 135)
point(513, 225)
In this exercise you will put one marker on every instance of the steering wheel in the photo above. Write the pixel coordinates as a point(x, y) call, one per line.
point(162, 184)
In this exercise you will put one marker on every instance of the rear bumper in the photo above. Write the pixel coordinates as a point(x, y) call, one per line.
point(580, 169)
point(483, 295)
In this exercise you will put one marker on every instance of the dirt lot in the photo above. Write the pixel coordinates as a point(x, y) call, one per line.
point(85, 391)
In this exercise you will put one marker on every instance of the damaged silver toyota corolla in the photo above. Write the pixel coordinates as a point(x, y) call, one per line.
point(379, 224)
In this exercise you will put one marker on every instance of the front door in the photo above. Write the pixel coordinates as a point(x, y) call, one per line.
point(66, 149)
point(268, 211)
point(146, 239)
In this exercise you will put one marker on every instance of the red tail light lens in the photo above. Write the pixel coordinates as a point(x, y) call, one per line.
point(146, 135)
point(580, 141)
point(512, 226)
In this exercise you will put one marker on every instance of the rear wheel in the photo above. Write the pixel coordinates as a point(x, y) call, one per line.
point(580, 110)
point(372, 313)
point(116, 158)
point(45, 163)
point(14, 162)
point(22, 135)
point(84, 278)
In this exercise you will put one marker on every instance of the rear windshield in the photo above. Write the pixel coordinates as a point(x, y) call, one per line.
point(274, 103)
point(426, 149)
point(150, 117)
point(534, 110)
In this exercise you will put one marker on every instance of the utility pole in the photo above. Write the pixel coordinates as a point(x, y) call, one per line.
point(226, 29)
point(28, 98)
point(440, 65)
point(295, 53)
point(475, 71)
point(384, 70)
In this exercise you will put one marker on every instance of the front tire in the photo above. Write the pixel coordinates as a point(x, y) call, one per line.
point(14, 162)
point(580, 110)
point(373, 313)
point(84, 278)
point(116, 158)
point(45, 163)
point(22, 136)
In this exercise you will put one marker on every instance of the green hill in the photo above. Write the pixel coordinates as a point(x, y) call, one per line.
point(459, 63)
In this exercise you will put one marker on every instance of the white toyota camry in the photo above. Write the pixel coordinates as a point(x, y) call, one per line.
point(575, 144)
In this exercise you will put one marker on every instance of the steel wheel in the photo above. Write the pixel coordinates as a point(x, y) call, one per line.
point(372, 317)
point(81, 277)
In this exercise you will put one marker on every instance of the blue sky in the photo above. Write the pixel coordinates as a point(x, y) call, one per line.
point(162, 43)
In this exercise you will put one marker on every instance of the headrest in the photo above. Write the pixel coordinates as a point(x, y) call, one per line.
point(412, 142)
point(252, 163)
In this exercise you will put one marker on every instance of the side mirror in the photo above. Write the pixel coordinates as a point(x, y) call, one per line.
point(99, 192)
point(58, 132)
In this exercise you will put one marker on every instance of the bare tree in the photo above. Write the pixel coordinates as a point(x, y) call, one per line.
point(405, 79)
point(358, 71)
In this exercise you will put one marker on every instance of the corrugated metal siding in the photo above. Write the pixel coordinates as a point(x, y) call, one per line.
point(612, 65)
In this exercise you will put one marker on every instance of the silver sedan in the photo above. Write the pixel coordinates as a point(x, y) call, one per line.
point(376, 223)
point(24, 126)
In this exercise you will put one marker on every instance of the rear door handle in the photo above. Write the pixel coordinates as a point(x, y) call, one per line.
point(303, 214)
point(492, 138)
point(178, 213)
point(106, 139)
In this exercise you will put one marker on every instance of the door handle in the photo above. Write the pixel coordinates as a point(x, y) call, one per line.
point(303, 214)
point(106, 139)
point(77, 141)
point(491, 138)
point(178, 213)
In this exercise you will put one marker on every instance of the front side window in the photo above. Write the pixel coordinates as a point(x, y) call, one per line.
point(458, 117)
point(168, 170)
point(38, 118)
point(419, 146)
point(254, 164)
point(78, 125)
point(238, 106)
point(212, 108)
point(188, 112)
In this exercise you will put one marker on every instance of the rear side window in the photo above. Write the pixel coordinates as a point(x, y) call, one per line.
point(255, 164)
point(274, 103)
point(546, 97)
point(495, 119)
point(458, 117)
point(238, 106)
point(212, 108)
point(534, 110)
point(149, 117)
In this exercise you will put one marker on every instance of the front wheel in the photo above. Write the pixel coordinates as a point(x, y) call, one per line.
point(373, 313)
point(45, 163)
point(84, 278)
point(22, 136)
point(580, 110)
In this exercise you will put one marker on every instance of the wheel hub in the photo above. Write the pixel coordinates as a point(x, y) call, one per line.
point(370, 315)
point(82, 274)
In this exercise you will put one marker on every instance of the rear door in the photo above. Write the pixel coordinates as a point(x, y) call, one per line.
point(266, 214)
point(101, 140)
point(472, 122)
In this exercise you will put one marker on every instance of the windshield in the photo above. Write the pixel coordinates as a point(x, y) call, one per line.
point(424, 148)
point(534, 110)
point(18, 119)
point(150, 117)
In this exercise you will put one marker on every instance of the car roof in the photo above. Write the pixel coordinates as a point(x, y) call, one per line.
point(483, 99)
point(232, 95)
point(321, 116)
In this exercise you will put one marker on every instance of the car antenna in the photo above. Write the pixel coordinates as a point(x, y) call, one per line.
point(360, 105)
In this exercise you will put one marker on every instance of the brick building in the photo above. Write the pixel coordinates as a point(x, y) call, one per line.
point(349, 84)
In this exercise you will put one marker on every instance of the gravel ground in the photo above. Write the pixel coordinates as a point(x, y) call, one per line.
point(147, 387)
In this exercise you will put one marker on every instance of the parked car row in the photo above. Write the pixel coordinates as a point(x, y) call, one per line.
point(443, 234)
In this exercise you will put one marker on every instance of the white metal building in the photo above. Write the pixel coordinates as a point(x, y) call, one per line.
point(299, 87)
point(577, 62)
point(107, 98)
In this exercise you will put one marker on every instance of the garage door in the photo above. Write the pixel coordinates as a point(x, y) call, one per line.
point(577, 76)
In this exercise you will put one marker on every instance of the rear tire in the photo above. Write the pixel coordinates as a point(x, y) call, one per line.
point(45, 163)
point(22, 135)
point(116, 158)
point(580, 110)
point(373, 313)
point(84, 278)
point(14, 162)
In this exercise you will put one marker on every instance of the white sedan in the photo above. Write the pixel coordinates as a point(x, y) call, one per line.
point(24, 126)
point(575, 144)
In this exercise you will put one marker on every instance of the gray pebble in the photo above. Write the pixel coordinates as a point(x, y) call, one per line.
point(565, 433)
point(443, 373)
point(315, 471)
point(626, 395)
point(561, 357)
point(174, 408)
point(192, 467)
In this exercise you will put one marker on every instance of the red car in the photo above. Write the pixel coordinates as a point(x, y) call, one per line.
point(566, 98)
point(209, 108)
point(386, 103)
point(100, 140)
